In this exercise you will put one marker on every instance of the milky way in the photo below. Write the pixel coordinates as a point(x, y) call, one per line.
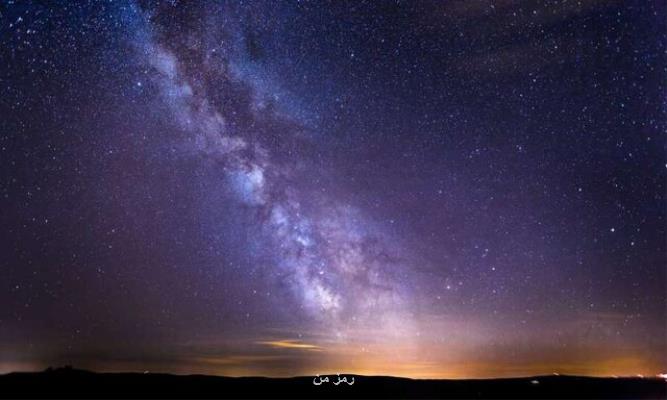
point(412, 188)
point(339, 268)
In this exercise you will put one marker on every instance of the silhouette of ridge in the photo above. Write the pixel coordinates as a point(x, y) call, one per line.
point(69, 382)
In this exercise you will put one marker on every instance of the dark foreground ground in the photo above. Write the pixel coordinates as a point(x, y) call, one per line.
point(69, 383)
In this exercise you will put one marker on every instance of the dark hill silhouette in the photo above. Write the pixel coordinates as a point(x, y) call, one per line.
point(74, 383)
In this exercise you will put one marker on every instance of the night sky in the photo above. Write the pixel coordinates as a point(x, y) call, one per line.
point(423, 189)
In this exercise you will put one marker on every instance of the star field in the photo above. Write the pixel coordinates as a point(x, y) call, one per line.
point(413, 188)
